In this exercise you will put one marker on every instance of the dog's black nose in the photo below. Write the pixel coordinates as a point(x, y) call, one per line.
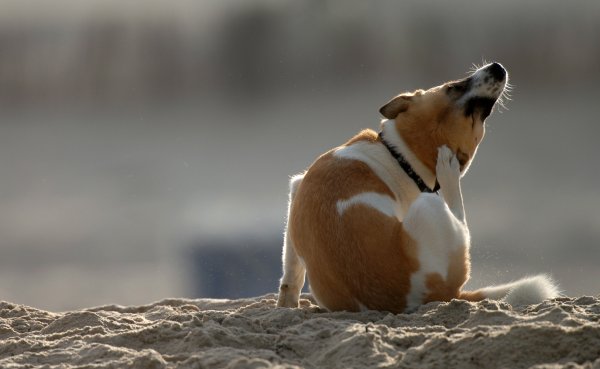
point(497, 71)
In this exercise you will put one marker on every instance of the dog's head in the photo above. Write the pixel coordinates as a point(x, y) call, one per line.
point(452, 114)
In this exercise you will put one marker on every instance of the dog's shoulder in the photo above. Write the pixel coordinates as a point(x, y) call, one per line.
point(343, 176)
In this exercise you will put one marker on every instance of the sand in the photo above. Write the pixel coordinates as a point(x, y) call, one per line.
point(252, 333)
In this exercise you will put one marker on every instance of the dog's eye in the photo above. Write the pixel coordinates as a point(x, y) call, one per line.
point(451, 91)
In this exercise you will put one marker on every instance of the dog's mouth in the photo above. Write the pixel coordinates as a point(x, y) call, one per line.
point(463, 159)
point(479, 107)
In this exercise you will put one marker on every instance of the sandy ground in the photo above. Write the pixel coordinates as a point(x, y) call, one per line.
point(252, 333)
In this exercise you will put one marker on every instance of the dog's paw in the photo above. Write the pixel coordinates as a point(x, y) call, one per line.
point(287, 298)
point(447, 168)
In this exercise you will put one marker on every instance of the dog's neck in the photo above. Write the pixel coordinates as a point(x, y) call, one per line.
point(395, 142)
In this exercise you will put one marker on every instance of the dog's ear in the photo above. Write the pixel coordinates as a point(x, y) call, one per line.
point(396, 106)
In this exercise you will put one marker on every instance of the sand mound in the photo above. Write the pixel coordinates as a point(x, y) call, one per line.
point(204, 333)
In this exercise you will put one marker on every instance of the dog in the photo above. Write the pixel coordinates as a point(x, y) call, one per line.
point(367, 224)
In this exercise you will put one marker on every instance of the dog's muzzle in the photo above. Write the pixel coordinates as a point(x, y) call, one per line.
point(485, 86)
point(488, 81)
point(496, 71)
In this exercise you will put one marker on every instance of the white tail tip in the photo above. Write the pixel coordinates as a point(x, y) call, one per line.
point(532, 290)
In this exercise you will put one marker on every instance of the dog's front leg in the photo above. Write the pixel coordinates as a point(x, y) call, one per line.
point(294, 271)
point(448, 176)
point(292, 280)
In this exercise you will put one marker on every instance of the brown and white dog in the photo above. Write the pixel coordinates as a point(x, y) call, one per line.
point(365, 223)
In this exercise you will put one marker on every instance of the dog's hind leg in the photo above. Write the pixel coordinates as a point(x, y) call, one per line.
point(293, 268)
point(442, 251)
point(438, 226)
point(525, 291)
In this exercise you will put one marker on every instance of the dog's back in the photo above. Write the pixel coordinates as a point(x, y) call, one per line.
point(343, 224)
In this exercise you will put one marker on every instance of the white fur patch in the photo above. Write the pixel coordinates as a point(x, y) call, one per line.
point(437, 232)
point(377, 201)
point(372, 155)
point(379, 160)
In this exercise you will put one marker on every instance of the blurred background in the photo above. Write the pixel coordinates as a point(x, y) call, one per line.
point(145, 146)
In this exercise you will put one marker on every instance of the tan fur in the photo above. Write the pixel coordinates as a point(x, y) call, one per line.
point(441, 289)
point(472, 295)
point(363, 257)
point(366, 135)
point(429, 122)
point(328, 246)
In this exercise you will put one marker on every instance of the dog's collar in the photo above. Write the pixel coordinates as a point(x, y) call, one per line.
point(405, 165)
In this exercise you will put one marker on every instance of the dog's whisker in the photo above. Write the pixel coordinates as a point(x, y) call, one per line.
point(503, 99)
point(505, 96)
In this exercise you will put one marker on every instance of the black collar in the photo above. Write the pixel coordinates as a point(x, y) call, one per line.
point(405, 165)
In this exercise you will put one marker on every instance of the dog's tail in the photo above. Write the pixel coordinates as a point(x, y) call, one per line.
point(526, 291)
